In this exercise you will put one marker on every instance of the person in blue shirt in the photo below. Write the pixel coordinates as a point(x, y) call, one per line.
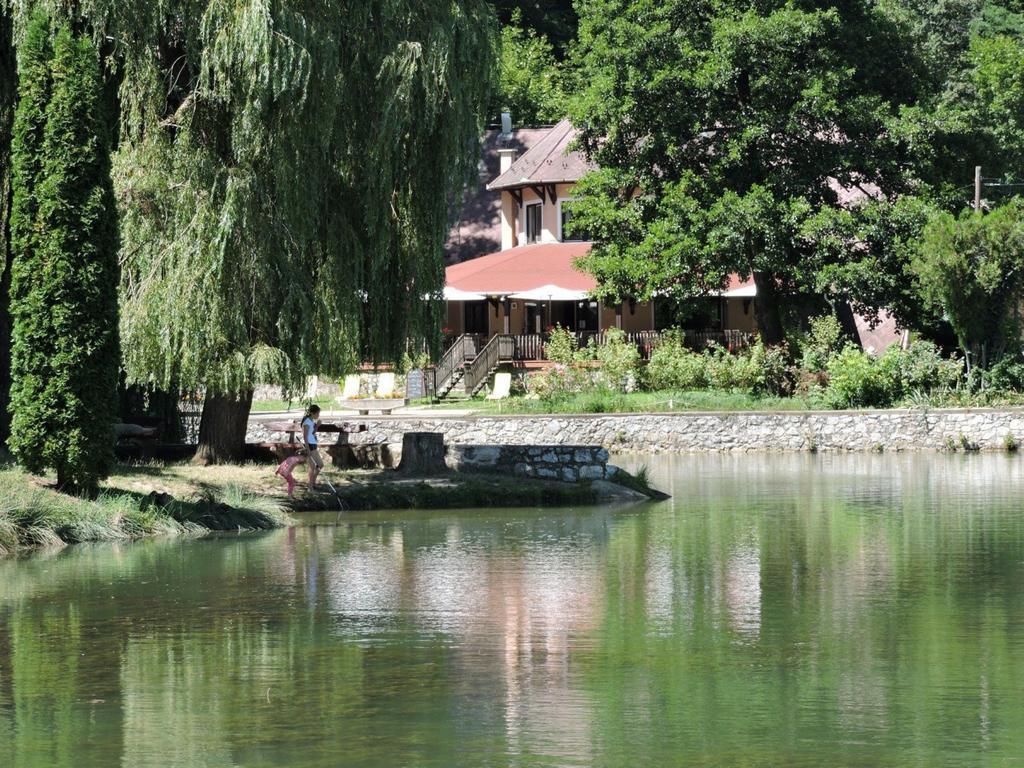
point(309, 439)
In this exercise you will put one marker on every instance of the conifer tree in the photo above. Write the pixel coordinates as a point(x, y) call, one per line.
point(65, 355)
point(8, 94)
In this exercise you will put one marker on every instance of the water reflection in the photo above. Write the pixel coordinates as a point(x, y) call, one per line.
point(831, 610)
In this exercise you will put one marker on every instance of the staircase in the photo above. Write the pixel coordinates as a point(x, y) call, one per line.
point(463, 370)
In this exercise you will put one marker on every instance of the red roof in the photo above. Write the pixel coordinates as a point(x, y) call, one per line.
point(523, 269)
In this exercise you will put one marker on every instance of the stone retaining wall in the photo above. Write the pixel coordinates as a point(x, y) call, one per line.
point(568, 463)
point(987, 429)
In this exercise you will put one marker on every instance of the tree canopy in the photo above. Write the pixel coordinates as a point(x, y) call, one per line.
point(282, 174)
point(724, 131)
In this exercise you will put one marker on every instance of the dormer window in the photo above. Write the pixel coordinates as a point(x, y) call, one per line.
point(534, 222)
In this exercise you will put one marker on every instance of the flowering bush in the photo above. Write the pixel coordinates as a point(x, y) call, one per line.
point(620, 361)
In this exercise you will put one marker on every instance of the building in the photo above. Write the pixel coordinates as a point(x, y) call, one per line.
point(529, 282)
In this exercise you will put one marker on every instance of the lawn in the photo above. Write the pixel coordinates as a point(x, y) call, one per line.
point(635, 402)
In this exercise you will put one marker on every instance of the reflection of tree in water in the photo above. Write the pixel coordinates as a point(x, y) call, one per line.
point(868, 615)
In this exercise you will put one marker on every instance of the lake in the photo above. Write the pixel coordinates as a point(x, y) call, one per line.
point(780, 610)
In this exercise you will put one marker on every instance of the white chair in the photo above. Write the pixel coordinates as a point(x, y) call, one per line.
point(385, 385)
point(351, 387)
point(502, 386)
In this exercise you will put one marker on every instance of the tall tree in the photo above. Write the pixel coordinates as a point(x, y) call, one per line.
point(530, 83)
point(8, 96)
point(971, 268)
point(282, 175)
point(723, 131)
point(555, 20)
point(65, 356)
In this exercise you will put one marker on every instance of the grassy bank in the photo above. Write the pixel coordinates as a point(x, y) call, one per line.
point(600, 401)
point(33, 514)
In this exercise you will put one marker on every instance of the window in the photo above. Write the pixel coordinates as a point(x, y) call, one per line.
point(564, 217)
point(475, 317)
point(534, 222)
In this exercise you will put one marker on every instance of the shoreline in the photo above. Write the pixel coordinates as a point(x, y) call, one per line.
point(153, 500)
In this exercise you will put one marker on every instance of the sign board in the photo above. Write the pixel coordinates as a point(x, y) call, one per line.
point(415, 384)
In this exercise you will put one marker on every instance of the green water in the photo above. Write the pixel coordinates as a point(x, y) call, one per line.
point(790, 611)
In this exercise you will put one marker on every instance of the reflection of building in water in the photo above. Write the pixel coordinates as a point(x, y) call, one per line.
point(510, 616)
point(742, 589)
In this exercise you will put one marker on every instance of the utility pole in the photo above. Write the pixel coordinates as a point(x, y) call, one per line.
point(977, 188)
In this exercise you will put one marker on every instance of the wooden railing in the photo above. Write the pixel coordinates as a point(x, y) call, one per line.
point(499, 348)
point(451, 363)
point(471, 358)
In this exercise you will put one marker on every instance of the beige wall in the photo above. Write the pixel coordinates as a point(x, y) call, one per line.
point(551, 215)
point(641, 319)
point(739, 315)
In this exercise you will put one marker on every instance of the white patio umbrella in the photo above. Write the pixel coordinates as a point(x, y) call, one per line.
point(456, 294)
point(550, 293)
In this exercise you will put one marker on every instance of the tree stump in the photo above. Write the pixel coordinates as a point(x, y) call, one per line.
point(422, 454)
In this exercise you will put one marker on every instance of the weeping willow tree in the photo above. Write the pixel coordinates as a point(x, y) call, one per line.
point(283, 175)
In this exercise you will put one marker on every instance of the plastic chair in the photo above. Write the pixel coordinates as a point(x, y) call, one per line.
point(351, 387)
point(386, 385)
point(502, 386)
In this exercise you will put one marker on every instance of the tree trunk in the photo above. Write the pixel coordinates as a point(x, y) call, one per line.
point(422, 454)
point(848, 321)
point(222, 429)
point(766, 310)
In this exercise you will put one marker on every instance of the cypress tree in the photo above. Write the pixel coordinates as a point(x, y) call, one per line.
point(8, 96)
point(65, 354)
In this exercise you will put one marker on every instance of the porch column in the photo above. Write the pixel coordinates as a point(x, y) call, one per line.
point(618, 315)
point(507, 304)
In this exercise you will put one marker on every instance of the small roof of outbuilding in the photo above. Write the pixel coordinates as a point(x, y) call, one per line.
point(549, 161)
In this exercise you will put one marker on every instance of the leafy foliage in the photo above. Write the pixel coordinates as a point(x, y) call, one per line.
point(674, 367)
point(823, 341)
point(64, 278)
point(530, 79)
point(620, 361)
point(971, 268)
point(721, 131)
point(283, 173)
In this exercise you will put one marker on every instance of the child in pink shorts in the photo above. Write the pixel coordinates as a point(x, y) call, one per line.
point(285, 469)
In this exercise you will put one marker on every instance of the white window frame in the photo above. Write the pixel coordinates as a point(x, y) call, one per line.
point(526, 222)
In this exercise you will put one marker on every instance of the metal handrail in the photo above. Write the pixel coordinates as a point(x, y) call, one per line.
point(453, 360)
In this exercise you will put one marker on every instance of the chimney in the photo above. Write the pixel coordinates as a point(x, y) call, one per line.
point(507, 156)
point(506, 153)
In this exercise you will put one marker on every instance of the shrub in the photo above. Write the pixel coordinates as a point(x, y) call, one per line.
point(773, 376)
point(620, 361)
point(822, 342)
point(858, 380)
point(561, 346)
point(732, 372)
point(673, 366)
point(922, 368)
point(1008, 374)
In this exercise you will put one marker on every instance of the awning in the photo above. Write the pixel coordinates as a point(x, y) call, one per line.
point(550, 293)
